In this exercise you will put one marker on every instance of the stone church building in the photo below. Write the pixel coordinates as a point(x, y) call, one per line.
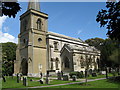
point(40, 50)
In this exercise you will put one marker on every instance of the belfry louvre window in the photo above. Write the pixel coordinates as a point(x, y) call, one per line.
point(39, 24)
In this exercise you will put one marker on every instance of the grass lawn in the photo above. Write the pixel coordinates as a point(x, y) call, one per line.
point(100, 76)
point(12, 83)
point(93, 84)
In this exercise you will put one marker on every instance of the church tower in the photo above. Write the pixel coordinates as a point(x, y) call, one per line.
point(32, 48)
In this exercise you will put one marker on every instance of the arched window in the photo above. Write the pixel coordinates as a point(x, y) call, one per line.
point(57, 61)
point(39, 24)
point(67, 63)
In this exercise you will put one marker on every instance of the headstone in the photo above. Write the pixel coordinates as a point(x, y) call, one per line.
point(94, 75)
point(18, 78)
point(74, 78)
point(62, 73)
point(59, 75)
point(47, 73)
point(41, 74)
point(21, 78)
point(41, 81)
point(82, 74)
point(47, 80)
point(65, 78)
point(103, 72)
point(31, 79)
point(25, 81)
point(3, 78)
point(52, 73)
point(90, 71)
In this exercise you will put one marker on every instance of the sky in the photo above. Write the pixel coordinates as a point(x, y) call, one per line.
point(74, 19)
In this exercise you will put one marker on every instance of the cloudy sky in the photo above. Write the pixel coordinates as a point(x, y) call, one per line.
point(77, 20)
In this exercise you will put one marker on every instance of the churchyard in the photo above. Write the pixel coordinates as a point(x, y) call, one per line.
point(78, 80)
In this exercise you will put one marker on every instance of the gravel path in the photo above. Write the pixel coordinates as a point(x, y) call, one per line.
point(67, 83)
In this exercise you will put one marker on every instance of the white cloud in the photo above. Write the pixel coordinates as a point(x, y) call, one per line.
point(6, 37)
point(2, 20)
point(6, 29)
point(79, 31)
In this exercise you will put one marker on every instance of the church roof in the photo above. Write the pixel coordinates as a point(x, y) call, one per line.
point(63, 36)
point(82, 48)
point(34, 5)
point(72, 48)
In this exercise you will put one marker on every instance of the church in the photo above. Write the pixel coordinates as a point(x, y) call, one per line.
point(40, 50)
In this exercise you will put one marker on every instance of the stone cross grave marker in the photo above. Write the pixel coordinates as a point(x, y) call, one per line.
point(65, 78)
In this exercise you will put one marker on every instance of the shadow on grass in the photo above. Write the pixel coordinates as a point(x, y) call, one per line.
point(115, 80)
point(83, 84)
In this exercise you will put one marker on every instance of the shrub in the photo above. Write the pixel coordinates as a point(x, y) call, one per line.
point(94, 75)
point(77, 74)
point(72, 73)
point(114, 73)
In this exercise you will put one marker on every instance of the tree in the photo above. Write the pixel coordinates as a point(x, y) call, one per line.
point(8, 57)
point(115, 56)
point(110, 18)
point(10, 8)
point(96, 42)
point(106, 48)
point(88, 62)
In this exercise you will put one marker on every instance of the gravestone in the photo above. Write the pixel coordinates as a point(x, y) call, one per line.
point(94, 75)
point(62, 73)
point(59, 75)
point(21, 78)
point(18, 78)
point(31, 80)
point(103, 72)
point(90, 71)
point(74, 78)
point(65, 78)
point(52, 73)
point(25, 81)
point(4, 79)
point(41, 81)
point(47, 80)
point(41, 74)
